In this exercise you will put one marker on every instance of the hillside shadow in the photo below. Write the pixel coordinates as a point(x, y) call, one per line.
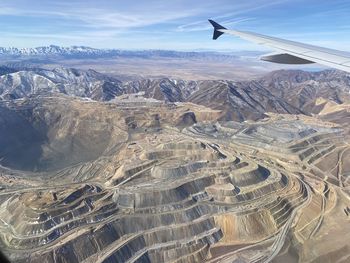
point(20, 141)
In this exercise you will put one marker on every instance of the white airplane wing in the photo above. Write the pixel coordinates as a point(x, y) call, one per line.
point(290, 52)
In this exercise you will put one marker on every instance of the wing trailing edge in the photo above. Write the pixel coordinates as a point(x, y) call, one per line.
point(285, 58)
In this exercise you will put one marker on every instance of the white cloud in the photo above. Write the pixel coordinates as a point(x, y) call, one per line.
point(101, 17)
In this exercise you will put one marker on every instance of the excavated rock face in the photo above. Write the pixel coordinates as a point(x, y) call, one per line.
point(17, 132)
point(139, 180)
point(53, 134)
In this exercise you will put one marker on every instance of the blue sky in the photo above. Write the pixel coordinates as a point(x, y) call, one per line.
point(173, 24)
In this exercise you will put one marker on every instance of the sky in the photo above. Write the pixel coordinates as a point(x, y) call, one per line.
point(171, 24)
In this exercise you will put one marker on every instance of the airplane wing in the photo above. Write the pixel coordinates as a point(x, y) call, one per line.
point(290, 52)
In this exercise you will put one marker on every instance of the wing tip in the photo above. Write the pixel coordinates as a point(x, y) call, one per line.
point(217, 27)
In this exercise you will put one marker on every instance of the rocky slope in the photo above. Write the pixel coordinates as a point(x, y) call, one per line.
point(48, 133)
point(303, 89)
point(90, 84)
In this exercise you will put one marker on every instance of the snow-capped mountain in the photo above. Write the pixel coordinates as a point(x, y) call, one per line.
point(284, 91)
point(87, 52)
point(52, 50)
point(72, 82)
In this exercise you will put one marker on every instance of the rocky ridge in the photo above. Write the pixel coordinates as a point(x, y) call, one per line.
point(291, 92)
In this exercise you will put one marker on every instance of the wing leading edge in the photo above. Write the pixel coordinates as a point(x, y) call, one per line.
point(291, 52)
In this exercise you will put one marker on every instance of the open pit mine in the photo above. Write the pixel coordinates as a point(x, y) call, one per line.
point(141, 180)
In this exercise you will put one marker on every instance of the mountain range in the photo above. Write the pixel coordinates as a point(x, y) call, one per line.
point(285, 91)
point(88, 52)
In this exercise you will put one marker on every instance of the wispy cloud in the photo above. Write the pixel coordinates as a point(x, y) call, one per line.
point(96, 17)
point(231, 18)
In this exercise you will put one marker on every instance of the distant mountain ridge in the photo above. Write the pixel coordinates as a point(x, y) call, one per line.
point(88, 52)
point(52, 49)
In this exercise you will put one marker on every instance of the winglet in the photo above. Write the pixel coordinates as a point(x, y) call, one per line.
point(216, 28)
